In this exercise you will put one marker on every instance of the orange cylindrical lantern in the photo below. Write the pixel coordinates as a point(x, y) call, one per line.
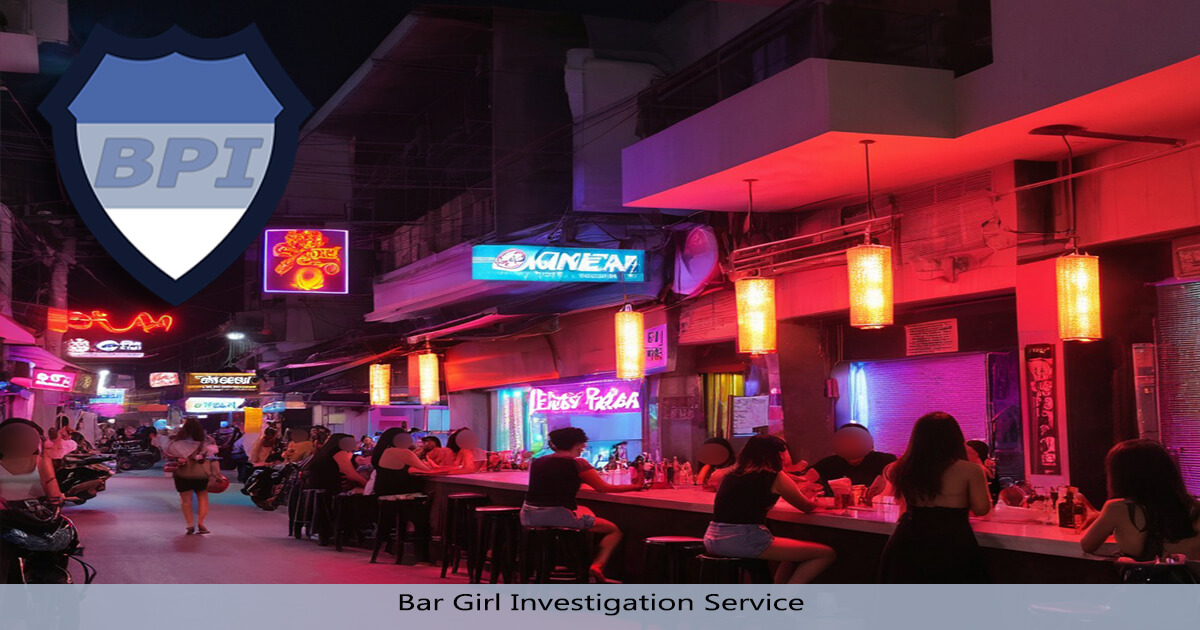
point(427, 369)
point(755, 315)
point(381, 384)
point(631, 343)
point(869, 268)
point(1078, 278)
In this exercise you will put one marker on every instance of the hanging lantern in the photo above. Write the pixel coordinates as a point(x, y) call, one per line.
point(631, 343)
point(427, 368)
point(755, 315)
point(381, 384)
point(1078, 297)
point(870, 270)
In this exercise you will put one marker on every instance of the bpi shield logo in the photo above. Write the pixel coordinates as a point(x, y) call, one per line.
point(175, 149)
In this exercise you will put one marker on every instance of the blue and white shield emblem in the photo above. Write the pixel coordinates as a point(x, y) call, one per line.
point(175, 149)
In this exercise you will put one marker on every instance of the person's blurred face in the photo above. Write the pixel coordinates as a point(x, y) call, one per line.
point(347, 444)
point(852, 444)
point(713, 454)
point(19, 440)
point(403, 440)
point(427, 446)
point(467, 439)
point(127, 431)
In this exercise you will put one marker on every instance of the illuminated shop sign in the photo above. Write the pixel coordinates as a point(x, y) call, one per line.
point(306, 261)
point(61, 320)
point(595, 397)
point(164, 379)
point(81, 348)
point(107, 396)
point(53, 380)
point(534, 263)
point(207, 405)
point(222, 382)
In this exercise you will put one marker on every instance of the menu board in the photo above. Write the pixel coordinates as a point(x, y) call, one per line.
point(749, 413)
point(931, 337)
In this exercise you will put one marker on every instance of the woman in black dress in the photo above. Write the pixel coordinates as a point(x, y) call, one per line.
point(940, 487)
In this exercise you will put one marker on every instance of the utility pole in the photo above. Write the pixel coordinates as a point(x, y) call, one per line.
point(60, 270)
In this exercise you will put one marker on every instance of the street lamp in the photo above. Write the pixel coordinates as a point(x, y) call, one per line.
point(235, 336)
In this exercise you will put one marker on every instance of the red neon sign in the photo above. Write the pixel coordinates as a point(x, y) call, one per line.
point(53, 380)
point(60, 320)
point(305, 261)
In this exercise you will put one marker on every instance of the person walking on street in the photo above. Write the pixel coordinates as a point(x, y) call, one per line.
point(194, 466)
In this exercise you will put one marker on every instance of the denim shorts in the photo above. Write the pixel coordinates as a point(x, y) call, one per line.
point(554, 516)
point(737, 540)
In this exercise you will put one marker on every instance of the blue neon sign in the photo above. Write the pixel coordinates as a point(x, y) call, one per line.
point(536, 263)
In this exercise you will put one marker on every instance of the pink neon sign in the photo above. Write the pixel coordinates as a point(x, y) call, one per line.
point(53, 380)
point(602, 397)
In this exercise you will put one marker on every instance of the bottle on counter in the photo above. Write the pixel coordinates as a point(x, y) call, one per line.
point(1080, 512)
point(1066, 510)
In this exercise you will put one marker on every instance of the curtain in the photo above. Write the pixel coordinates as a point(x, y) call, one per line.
point(717, 390)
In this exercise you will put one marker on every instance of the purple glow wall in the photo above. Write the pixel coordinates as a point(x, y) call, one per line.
point(306, 261)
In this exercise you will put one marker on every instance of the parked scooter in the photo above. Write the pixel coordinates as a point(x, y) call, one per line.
point(266, 485)
point(41, 542)
point(84, 475)
point(135, 454)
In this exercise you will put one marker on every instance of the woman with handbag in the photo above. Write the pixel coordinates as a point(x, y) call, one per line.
point(191, 465)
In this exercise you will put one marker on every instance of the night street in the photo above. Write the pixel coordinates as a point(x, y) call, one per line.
point(133, 534)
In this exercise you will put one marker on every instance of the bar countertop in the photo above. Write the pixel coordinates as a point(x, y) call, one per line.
point(1035, 538)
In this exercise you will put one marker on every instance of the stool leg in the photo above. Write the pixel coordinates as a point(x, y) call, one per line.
point(582, 559)
point(449, 544)
point(382, 535)
point(339, 517)
point(401, 531)
point(494, 545)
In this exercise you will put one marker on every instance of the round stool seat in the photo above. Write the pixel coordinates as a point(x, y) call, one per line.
point(725, 570)
point(668, 559)
point(496, 509)
point(673, 540)
point(460, 496)
point(457, 529)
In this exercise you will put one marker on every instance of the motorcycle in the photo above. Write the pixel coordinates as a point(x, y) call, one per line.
point(135, 454)
point(41, 542)
point(267, 484)
point(84, 475)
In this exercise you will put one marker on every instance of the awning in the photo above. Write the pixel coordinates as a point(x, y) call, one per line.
point(42, 358)
point(13, 333)
point(348, 365)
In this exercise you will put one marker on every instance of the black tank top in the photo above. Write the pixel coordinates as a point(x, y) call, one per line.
point(395, 481)
point(554, 481)
point(745, 499)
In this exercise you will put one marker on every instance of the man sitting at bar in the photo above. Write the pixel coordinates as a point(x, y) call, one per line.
point(854, 456)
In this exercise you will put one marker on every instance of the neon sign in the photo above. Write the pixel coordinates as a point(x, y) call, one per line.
point(164, 379)
point(61, 320)
point(204, 405)
point(602, 397)
point(53, 380)
point(306, 261)
point(105, 349)
point(535, 263)
point(222, 382)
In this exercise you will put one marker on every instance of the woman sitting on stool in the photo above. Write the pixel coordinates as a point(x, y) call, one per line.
point(740, 509)
point(554, 481)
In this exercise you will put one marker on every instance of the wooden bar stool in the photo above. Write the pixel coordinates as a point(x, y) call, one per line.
point(666, 558)
point(456, 533)
point(544, 549)
point(395, 513)
point(497, 538)
point(722, 570)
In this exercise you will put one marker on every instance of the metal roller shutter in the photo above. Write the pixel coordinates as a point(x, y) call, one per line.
point(1179, 376)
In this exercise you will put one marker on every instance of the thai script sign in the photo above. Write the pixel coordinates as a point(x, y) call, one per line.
point(206, 405)
point(53, 380)
point(222, 382)
point(306, 261)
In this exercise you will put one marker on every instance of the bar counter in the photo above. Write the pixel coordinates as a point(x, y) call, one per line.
point(1016, 552)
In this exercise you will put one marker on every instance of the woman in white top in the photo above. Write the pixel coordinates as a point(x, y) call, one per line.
point(468, 457)
point(192, 452)
point(58, 445)
point(25, 472)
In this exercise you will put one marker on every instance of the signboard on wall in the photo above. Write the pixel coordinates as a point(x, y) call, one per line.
point(657, 350)
point(222, 382)
point(306, 261)
point(537, 263)
point(164, 379)
point(749, 413)
point(52, 380)
point(931, 337)
point(1044, 432)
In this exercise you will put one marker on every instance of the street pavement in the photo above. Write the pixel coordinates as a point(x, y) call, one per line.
point(133, 533)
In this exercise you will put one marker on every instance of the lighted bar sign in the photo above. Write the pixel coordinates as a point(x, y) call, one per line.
point(222, 382)
point(53, 380)
point(594, 397)
point(306, 261)
point(206, 405)
point(535, 263)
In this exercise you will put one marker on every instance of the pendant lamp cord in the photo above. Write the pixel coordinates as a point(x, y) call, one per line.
point(870, 195)
point(1072, 233)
